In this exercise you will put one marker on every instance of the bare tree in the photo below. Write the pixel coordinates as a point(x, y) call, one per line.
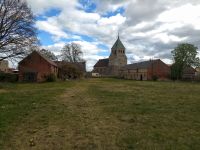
point(72, 53)
point(17, 31)
point(48, 54)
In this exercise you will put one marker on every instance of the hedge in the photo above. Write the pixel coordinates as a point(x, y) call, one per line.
point(8, 77)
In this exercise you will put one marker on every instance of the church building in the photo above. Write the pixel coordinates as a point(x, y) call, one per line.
point(112, 65)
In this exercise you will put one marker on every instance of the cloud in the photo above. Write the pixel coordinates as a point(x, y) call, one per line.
point(51, 26)
point(147, 29)
point(104, 6)
point(143, 10)
point(40, 6)
point(113, 20)
point(90, 51)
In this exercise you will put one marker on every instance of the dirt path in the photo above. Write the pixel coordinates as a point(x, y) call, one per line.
point(73, 121)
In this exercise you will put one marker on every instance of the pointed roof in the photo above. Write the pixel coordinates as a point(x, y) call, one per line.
point(47, 59)
point(118, 44)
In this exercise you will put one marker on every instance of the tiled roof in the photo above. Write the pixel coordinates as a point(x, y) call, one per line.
point(47, 59)
point(102, 63)
point(141, 65)
point(118, 44)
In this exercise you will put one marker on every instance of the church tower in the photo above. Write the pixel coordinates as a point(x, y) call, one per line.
point(118, 57)
point(111, 66)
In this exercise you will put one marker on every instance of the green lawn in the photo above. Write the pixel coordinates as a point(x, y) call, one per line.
point(100, 114)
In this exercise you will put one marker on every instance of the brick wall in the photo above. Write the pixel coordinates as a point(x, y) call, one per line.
point(159, 69)
point(4, 66)
point(34, 63)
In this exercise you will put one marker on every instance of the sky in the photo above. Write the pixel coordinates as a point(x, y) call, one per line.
point(149, 29)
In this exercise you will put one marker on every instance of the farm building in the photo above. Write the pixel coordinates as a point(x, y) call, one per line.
point(189, 73)
point(197, 71)
point(146, 70)
point(197, 74)
point(35, 68)
point(4, 66)
point(101, 67)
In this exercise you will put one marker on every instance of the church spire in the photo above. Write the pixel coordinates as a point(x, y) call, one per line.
point(118, 44)
point(118, 35)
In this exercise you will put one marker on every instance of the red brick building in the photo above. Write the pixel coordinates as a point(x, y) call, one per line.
point(146, 70)
point(35, 68)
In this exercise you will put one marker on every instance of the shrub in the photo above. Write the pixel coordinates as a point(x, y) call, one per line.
point(154, 78)
point(8, 77)
point(51, 78)
point(70, 71)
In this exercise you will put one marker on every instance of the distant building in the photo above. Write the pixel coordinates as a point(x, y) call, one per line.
point(197, 74)
point(189, 73)
point(96, 75)
point(102, 67)
point(13, 70)
point(116, 60)
point(146, 70)
point(36, 67)
point(198, 71)
point(4, 66)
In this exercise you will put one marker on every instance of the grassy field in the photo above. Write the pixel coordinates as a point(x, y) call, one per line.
point(100, 114)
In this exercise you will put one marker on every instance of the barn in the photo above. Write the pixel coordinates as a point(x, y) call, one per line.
point(146, 70)
point(36, 67)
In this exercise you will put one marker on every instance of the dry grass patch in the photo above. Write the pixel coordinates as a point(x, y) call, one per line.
point(3, 91)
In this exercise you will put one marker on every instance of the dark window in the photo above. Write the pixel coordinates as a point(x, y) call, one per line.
point(30, 77)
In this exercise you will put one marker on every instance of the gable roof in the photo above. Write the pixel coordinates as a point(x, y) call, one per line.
point(118, 44)
point(45, 58)
point(141, 65)
point(102, 63)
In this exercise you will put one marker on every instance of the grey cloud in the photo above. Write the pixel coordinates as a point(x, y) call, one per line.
point(144, 10)
point(189, 32)
point(109, 5)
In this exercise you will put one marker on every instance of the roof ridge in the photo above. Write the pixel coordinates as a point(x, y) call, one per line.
point(47, 59)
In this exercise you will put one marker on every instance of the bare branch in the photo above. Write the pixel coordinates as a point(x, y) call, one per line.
point(17, 31)
point(72, 53)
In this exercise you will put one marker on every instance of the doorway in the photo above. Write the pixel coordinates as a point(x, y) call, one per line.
point(141, 77)
point(30, 77)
